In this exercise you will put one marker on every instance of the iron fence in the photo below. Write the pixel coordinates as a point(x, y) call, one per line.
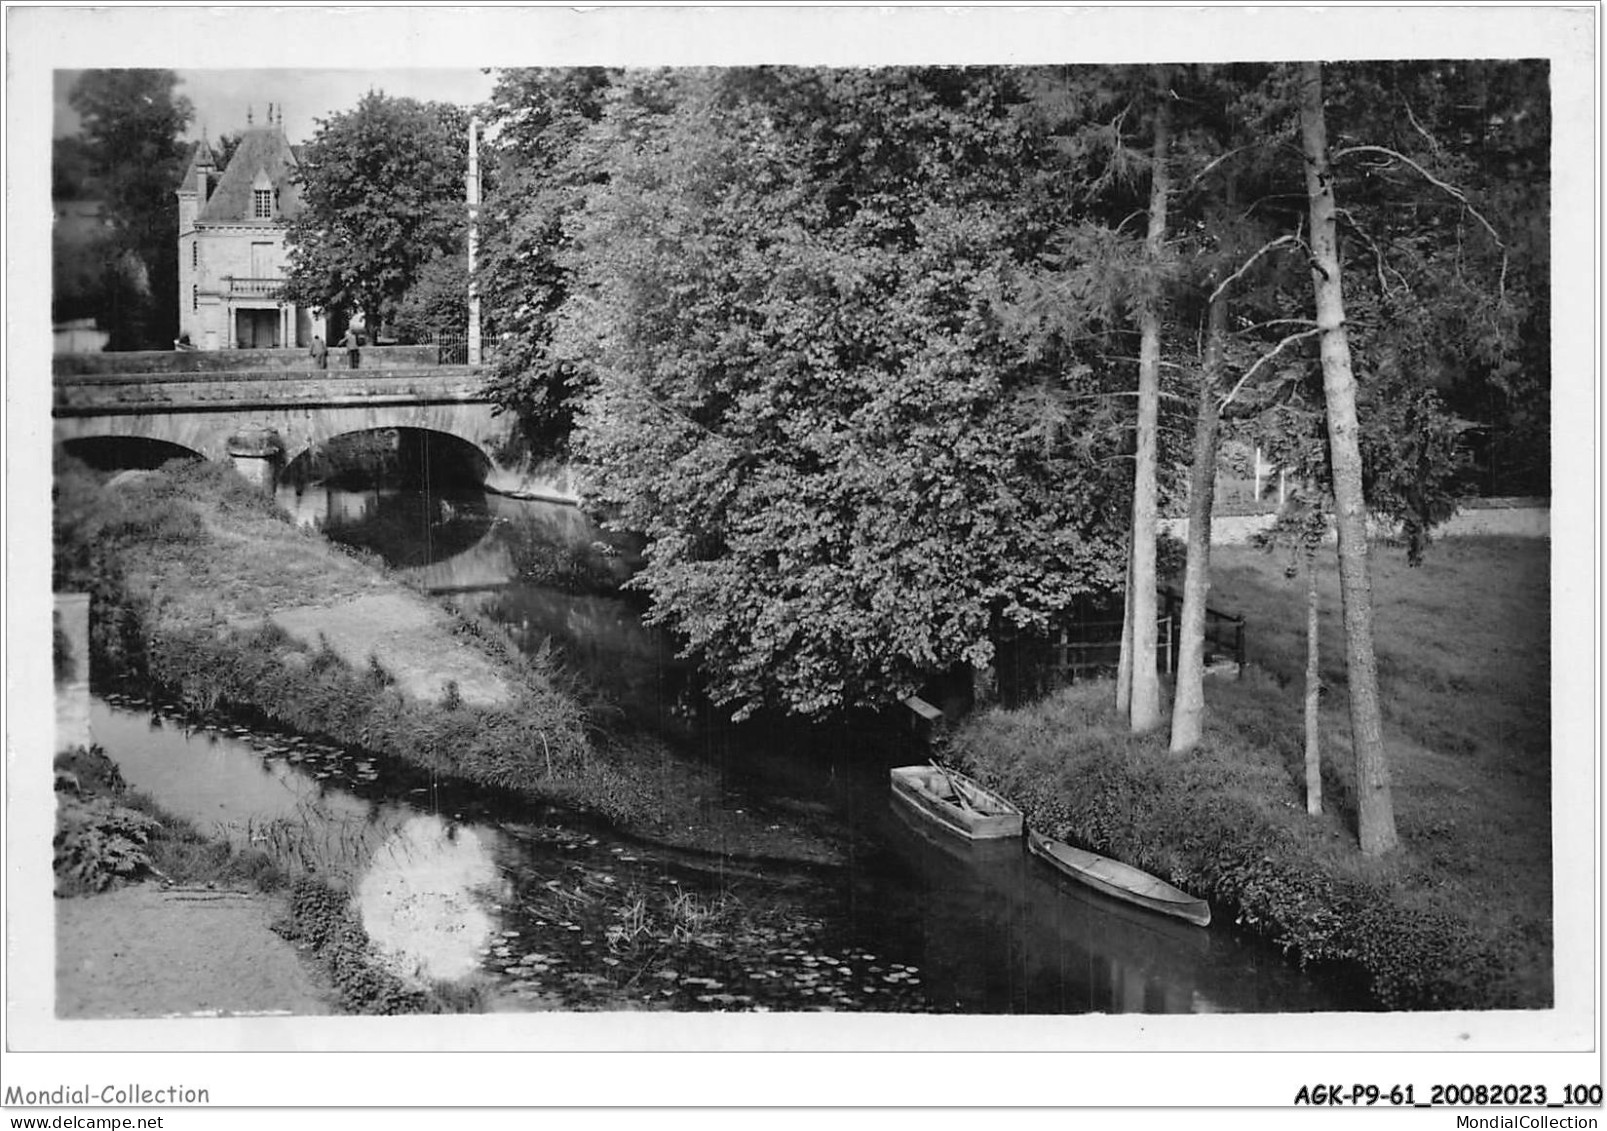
point(451, 347)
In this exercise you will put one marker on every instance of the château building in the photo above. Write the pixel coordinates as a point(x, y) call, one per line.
point(232, 256)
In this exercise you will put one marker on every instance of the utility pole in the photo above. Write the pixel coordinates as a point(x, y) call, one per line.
point(474, 236)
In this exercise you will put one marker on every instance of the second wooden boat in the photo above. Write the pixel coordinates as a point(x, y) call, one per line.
point(954, 802)
point(1119, 881)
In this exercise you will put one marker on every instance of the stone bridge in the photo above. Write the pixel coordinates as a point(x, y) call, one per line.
point(276, 414)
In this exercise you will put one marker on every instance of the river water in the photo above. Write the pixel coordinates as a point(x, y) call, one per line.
point(545, 910)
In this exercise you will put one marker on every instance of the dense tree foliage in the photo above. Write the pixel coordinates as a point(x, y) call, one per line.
point(787, 304)
point(857, 350)
point(547, 152)
point(1446, 167)
point(131, 125)
point(382, 192)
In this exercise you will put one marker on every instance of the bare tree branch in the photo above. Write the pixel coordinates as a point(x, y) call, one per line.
point(1281, 241)
point(1430, 178)
point(1452, 190)
point(1262, 360)
point(1418, 126)
point(1129, 216)
point(1275, 322)
point(1119, 393)
point(1378, 256)
point(1215, 161)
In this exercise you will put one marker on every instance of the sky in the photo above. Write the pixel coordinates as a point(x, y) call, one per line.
point(222, 98)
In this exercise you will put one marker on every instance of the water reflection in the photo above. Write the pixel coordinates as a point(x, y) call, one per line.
point(429, 896)
point(451, 886)
point(408, 527)
point(1056, 947)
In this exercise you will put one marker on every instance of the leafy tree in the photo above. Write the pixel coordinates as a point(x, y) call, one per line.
point(671, 234)
point(788, 304)
point(1411, 461)
point(548, 150)
point(382, 190)
point(437, 300)
point(226, 145)
point(72, 169)
point(131, 125)
point(1447, 173)
point(1235, 259)
point(1418, 274)
point(1139, 631)
point(1375, 812)
point(1102, 295)
point(1188, 699)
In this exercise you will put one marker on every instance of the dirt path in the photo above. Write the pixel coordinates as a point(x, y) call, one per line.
point(411, 638)
point(149, 951)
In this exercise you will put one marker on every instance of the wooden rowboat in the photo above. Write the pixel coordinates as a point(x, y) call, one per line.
point(1120, 881)
point(954, 802)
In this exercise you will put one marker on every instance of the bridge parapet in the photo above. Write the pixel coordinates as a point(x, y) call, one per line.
point(155, 362)
point(101, 394)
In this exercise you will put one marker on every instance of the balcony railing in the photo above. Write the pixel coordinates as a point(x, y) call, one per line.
point(237, 286)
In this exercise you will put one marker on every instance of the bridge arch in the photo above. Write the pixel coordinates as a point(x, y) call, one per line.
point(195, 435)
point(112, 451)
point(429, 452)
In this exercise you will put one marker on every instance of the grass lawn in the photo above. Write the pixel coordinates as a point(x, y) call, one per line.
point(1461, 915)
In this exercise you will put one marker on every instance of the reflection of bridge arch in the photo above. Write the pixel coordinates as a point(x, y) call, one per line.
point(489, 564)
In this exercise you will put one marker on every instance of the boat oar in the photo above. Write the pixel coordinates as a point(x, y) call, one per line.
point(954, 789)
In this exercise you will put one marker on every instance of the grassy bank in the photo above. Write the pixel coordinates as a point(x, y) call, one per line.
point(188, 569)
point(108, 834)
point(1460, 915)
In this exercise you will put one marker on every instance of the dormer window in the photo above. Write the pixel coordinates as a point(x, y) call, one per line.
point(262, 195)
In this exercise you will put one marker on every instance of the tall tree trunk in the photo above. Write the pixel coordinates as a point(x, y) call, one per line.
point(1375, 808)
point(1124, 665)
point(1313, 689)
point(1145, 709)
point(1188, 701)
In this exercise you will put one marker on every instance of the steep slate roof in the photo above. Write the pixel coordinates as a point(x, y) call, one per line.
point(201, 155)
point(263, 149)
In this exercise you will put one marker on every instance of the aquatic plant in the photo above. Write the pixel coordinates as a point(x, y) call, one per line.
point(305, 845)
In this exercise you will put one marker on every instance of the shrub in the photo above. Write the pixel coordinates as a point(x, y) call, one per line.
point(98, 843)
point(1210, 824)
point(106, 833)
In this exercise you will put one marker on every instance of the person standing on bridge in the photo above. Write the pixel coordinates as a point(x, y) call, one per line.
point(350, 341)
point(320, 352)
